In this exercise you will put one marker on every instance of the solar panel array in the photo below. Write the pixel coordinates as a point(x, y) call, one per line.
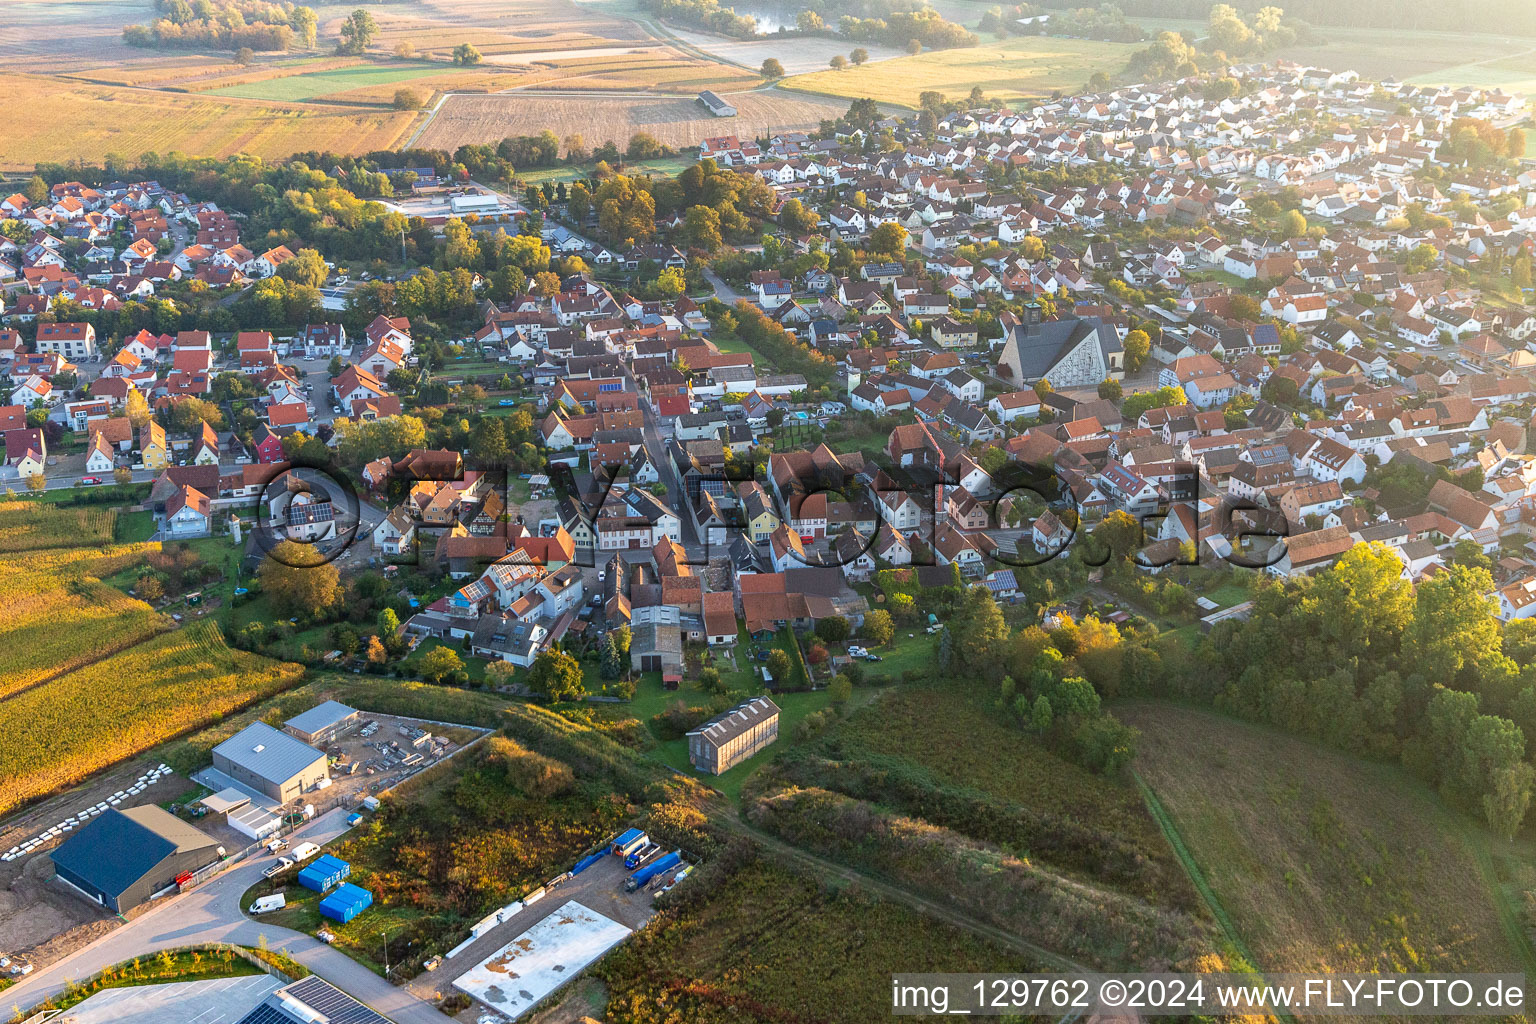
point(334, 1005)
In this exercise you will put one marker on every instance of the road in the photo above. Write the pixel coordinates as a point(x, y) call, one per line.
point(724, 292)
point(211, 913)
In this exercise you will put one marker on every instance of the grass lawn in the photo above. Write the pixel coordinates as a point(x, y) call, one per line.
point(362, 938)
point(474, 666)
point(310, 85)
point(662, 166)
point(1228, 594)
point(1323, 861)
point(1021, 67)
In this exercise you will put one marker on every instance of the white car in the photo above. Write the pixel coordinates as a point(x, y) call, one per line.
point(282, 865)
point(857, 652)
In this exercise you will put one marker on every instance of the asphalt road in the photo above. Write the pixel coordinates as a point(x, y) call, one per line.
point(211, 913)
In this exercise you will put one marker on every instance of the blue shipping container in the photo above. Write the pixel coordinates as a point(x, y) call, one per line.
point(346, 903)
point(324, 872)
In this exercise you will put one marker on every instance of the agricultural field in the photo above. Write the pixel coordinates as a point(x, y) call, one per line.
point(310, 85)
point(1319, 860)
point(63, 730)
point(1424, 58)
point(755, 941)
point(1023, 67)
point(56, 622)
point(676, 121)
point(30, 525)
point(107, 119)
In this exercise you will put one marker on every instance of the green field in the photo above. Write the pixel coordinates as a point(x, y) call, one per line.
point(312, 85)
point(1321, 861)
point(1021, 67)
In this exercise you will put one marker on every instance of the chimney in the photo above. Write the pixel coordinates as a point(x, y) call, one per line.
point(1032, 313)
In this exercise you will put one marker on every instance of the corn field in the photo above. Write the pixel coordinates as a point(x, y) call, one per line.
point(30, 525)
point(59, 732)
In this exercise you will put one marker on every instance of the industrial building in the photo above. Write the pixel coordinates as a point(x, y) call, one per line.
point(271, 762)
point(311, 1000)
point(123, 859)
point(322, 723)
point(728, 739)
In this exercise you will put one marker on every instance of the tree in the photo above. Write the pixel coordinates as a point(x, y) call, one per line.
point(1138, 345)
point(1292, 224)
point(306, 268)
point(407, 99)
point(833, 629)
point(889, 239)
point(244, 56)
point(878, 628)
point(357, 32)
point(772, 69)
point(499, 674)
point(122, 476)
point(441, 665)
point(859, 56)
point(465, 55)
point(809, 21)
point(914, 47)
point(557, 676)
point(36, 190)
point(841, 690)
point(1111, 389)
point(404, 50)
point(778, 666)
point(149, 589)
point(377, 653)
point(299, 580)
point(137, 408)
point(36, 482)
point(838, 63)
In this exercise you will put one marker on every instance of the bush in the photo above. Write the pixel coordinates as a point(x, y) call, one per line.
point(528, 770)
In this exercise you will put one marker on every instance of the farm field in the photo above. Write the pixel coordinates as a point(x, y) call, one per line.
point(63, 730)
point(1320, 860)
point(107, 119)
point(1427, 58)
point(766, 943)
point(55, 623)
point(1020, 68)
point(30, 525)
point(676, 121)
point(309, 85)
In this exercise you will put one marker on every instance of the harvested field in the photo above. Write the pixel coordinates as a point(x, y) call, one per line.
point(1022, 67)
point(674, 120)
point(110, 119)
point(798, 54)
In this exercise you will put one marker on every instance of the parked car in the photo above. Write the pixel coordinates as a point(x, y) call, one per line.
point(90, 480)
point(873, 657)
point(282, 865)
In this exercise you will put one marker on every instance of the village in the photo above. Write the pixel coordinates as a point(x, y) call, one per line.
point(1241, 333)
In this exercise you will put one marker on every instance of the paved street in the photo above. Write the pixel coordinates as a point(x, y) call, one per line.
point(211, 913)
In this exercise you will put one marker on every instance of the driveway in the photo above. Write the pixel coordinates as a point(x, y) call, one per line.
point(211, 913)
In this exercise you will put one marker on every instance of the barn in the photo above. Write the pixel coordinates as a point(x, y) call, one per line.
point(122, 859)
point(716, 105)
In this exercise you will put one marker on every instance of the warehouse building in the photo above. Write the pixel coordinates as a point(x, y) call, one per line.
point(123, 859)
point(311, 1000)
point(270, 762)
point(726, 740)
point(322, 723)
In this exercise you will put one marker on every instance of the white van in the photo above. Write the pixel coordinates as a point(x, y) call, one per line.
point(267, 904)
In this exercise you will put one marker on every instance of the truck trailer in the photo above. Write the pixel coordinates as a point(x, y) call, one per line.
point(644, 876)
